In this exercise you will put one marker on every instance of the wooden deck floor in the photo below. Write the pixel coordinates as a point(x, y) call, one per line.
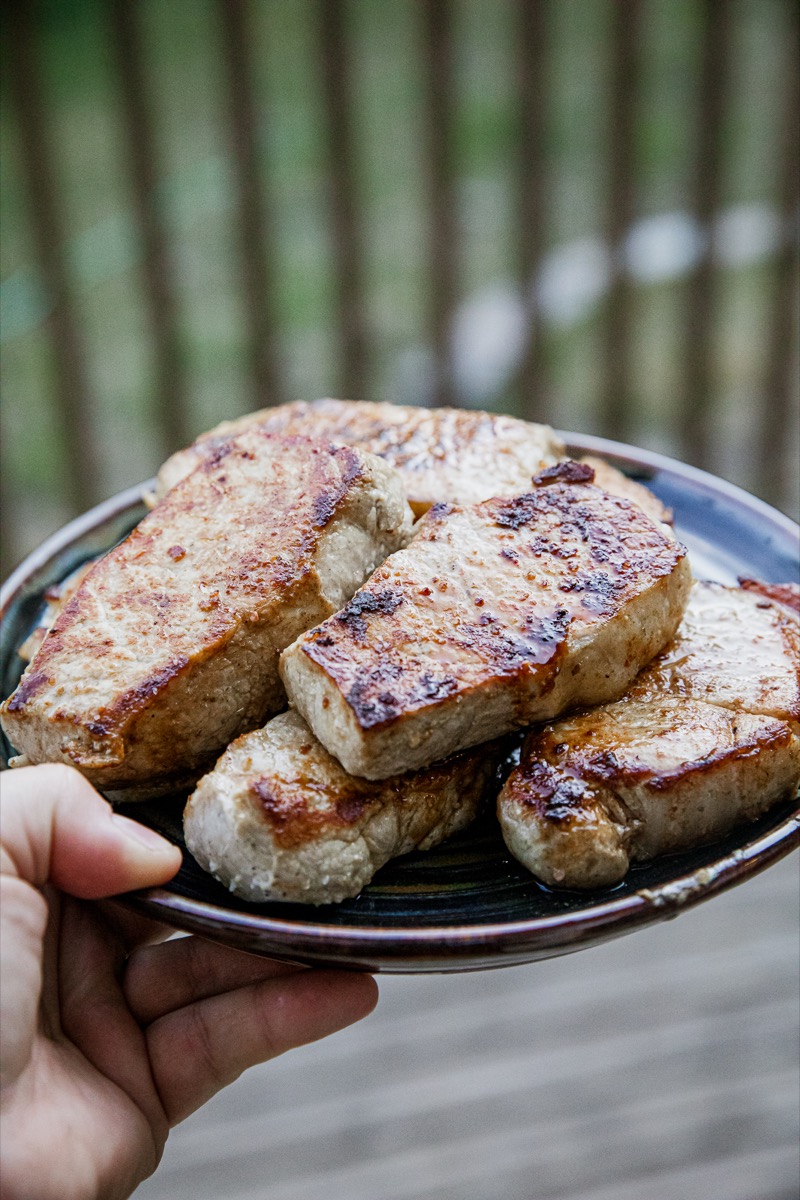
point(662, 1066)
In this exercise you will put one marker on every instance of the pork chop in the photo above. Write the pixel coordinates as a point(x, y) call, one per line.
point(169, 647)
point(707, 737)
point(279, 819)
point(443, 453)
point(497, 615)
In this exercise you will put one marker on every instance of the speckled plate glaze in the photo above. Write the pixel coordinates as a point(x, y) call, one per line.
point(466, 905)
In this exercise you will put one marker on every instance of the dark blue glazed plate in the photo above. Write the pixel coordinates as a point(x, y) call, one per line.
point(466, 905)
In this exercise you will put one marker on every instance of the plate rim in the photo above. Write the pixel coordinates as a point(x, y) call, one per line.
point(590, 923)
point(406, 948)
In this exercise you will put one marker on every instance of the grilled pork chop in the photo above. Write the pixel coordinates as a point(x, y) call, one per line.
point(497, 615)
point(707, 737)
point(444, 454)
point(169, 647)
point(279, 819)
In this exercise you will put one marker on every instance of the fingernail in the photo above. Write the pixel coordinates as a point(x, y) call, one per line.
point(142, 834)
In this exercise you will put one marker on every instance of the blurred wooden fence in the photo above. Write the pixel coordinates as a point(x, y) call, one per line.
point(432, 52)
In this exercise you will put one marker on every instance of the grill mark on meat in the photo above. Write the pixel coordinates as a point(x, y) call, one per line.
point(466, 627)
point(31, 683)
point(131, 701)
point(220, 450)
point(518, 511)
point(374, 710)
point(352, 615)
point(325, 505)
point(599, 592)
point(97, 728)
point(542, 647)
point(543, 637)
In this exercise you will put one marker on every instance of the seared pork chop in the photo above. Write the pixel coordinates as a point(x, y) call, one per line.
point(497, 615)
point(707, 737)
point(279, 819)
point(169, 647)
point(444, 455)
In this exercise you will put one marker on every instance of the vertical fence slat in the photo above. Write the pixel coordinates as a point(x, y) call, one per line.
point(12, 538)
point(775, 439)
point(531, 193)
point(617, 400)
point(343, 186)
point(253, 216)
point(440, 178)
point(170, 413)
point(71, 395)
point(695, 417)
point(11, 541)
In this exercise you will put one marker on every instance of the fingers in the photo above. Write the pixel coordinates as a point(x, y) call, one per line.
point(57, 828)
point(199, 1049)
point(94, 1014)
point(160, 979)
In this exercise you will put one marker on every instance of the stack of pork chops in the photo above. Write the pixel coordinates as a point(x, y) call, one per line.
point(336, 614)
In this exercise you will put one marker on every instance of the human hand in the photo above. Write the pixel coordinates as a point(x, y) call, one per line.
point(110, 1035)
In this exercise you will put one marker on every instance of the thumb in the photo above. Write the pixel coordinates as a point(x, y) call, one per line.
point(56, 828)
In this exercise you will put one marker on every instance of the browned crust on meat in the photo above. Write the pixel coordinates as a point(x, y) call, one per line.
point(787, 594)
point(706, 738)
point(282, 803)
point(250, 574)
point(553, 784)
point(568, 471)
point(442, 453)
point(219, 578)
point(292, 823)
point(604, 536)
point(495, 616)
point(279, 818)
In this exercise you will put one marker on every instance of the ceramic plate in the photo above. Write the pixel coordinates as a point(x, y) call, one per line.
point(467, 904)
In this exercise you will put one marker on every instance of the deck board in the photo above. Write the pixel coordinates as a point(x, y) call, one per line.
point(661, 1065)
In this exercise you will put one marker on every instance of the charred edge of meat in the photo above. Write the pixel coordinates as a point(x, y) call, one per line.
point(373, 708)
point(353, 613)
point(376, 700)
point(569, 471)
point(31, 683)
point(787, 594)
point(548, 791)
point(551, 789)
point(325, 505)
